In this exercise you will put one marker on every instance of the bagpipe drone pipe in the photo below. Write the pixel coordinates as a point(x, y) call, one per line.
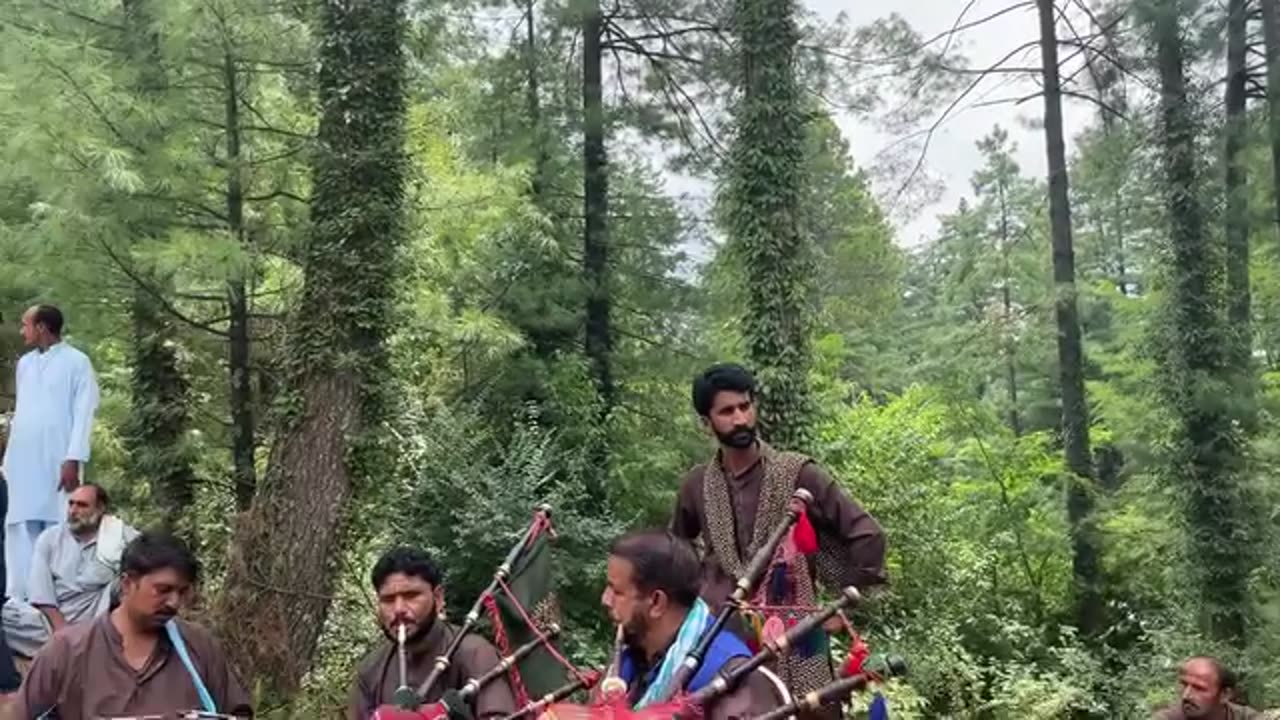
point(534, 669)
point(612, 704)
point(454, 703)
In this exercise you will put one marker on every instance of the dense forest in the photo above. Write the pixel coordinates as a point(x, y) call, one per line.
point(371, 271)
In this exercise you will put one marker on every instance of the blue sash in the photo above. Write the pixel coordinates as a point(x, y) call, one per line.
point(724, 648)
point(175, 638)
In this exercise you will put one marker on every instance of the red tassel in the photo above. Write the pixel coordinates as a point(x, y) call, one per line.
point(803, 536)
point(858, 654)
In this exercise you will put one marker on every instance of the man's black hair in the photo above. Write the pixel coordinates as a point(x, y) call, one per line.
point(661, 561)
point(720, 378)
point(50, 317)
point(104, 500)
point(154, 551)
point(406, 561)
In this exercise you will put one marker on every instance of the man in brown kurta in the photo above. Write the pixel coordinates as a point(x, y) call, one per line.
point(1206, 688)
point(733, 502)
point(651, 590)
point(408, 585)
point(123, 664)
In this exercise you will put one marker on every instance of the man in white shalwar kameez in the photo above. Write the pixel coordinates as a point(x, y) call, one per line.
point(57, 396)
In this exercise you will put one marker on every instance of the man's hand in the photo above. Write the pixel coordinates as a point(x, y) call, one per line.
point(834, 625)
point(70, 478)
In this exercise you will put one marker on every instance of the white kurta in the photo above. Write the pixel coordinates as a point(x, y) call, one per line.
point(57, 397)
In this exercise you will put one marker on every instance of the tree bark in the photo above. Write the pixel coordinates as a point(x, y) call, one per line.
point(286, 549)
point(1075, 409)
point(1271, 45)
point(156, 431)
point(239, 350)
point(1207, 457)
point(764, 184)
point(595, 244)
point(1006, 296)
point(1236, 215)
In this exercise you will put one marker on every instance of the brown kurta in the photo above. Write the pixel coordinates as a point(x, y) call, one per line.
point(379, 673)
point(832, 513)
point(755, 695)
point(83, 673)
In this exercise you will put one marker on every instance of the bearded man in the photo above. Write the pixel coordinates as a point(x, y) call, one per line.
point(733, 502)
point(1207, 688)
point(74, 571)
point(410, 593)
point(652, 592)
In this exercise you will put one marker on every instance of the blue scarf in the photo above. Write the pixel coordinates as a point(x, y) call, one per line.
point(725, 646)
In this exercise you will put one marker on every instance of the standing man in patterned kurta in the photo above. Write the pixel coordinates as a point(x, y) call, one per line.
point(57, 396)
point(735, 500)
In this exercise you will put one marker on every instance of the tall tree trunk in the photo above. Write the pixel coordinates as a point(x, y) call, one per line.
point(1006, 295)
point(1236, 216)
point(238, 345)
point(1271, 45)
point(1207, 456)
point(286, 549)
point(534, 104)
point(1075, 408)
point(595, 242)
point(155, 435)
point(765, 179)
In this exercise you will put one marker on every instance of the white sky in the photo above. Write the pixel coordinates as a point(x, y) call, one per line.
point(953, 156)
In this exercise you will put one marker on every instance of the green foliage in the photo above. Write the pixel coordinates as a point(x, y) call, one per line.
point(761, 210)
point(470, 491)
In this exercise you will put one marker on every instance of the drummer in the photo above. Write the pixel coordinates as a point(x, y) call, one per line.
point(653, 579)
point(130, 662)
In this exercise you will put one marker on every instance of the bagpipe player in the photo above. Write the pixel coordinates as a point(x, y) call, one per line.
point(410, 594)
point(652, 592)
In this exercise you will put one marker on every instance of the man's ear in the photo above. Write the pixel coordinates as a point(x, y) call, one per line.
point(438, 592)
point(658, 604)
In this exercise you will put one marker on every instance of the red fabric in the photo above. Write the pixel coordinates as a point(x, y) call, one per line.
point(858, 654)
point(803, 535)
point(504, 648)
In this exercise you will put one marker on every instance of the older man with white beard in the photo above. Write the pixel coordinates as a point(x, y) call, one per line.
point(73, 573)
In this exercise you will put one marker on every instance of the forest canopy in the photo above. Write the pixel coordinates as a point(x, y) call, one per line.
point(354, 274)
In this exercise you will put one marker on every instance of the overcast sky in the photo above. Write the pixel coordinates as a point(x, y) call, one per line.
point(953, 156)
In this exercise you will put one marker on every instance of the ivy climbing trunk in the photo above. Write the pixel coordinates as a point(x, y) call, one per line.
point(1271, 50)
point(155, 433)
point(595, 241)
point(1206, 455)
point(1075, 409)
point(239, 351)
point(1236, 215)
point(1010, 343)
point(762, 203)
point(288, 546)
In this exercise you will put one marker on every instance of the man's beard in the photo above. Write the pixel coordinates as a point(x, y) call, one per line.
point(84, 524)
point(740, 437)
point(634, 629)
point(412, 633)
point(1193, 710)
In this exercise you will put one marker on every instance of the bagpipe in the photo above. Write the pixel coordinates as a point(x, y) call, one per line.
point(609, 701)
point(411, 704)
point(859, 671)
